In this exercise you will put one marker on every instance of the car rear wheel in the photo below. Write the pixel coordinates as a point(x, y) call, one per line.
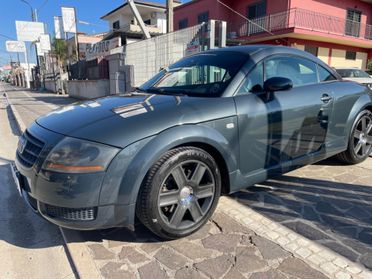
point(179, 193)
point(360, 140)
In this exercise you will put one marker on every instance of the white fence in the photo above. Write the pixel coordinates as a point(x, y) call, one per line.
point(149, 56)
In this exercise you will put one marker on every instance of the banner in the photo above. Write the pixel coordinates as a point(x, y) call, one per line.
point(102, 48)
point(58, 28)
point(45, 43)
point(69, 19)
point(28, 31)
point(15, 46)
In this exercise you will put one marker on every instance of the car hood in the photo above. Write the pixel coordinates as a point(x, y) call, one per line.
point(121, 120)
point(360, 80)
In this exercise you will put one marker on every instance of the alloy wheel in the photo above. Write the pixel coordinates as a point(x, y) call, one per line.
point(362, 136)
point(186, 194)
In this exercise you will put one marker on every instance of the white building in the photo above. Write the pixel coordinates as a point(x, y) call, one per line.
point(122, 22)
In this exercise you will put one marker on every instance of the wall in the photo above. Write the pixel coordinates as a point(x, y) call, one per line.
point(338, 59)
point(192, 9)
point(88, 89)
point(50, 85)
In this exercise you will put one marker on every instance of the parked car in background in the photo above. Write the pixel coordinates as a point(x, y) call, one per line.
point(211, 124)
point(357, 75)
point(369, 72)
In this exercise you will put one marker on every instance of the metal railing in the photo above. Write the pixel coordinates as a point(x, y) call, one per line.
point(304, 19)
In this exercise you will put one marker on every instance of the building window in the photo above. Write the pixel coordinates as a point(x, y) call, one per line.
point(257, 10)
point(353, 19)
point(184, 23)
point(350, 55)
point(312, 49)
point(203, 17)
point(116, 25)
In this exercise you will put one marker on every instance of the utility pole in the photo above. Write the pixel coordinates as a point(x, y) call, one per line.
point(169, 16)
point(34, 19)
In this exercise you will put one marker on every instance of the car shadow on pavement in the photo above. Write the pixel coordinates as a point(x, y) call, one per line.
point(335, 214)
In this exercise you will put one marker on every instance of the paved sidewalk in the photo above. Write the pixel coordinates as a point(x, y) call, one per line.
point(30, 247)
point(305, 204)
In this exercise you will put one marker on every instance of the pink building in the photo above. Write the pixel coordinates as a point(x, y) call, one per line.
point(337, 31)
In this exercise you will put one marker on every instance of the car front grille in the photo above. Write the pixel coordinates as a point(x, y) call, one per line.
point(28, 155)
point(73, 214)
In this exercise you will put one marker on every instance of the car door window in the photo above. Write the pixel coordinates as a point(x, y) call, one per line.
point(325, 75)
point(253, 82)
point(301, 71)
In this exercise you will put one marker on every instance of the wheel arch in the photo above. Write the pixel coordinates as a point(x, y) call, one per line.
point(363, 102)
point(200, 136)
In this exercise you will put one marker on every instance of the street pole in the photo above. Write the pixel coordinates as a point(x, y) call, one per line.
point(169, 16)
point(28, 70)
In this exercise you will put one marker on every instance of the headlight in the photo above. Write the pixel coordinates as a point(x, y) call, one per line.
point(79, 156)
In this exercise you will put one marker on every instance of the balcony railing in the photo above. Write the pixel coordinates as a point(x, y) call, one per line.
point(304, 19)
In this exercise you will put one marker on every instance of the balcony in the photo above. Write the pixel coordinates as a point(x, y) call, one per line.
point(136, 29)
point(287, 21)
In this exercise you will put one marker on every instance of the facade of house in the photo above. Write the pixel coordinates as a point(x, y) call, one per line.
point(122, 22)
point(339, 32)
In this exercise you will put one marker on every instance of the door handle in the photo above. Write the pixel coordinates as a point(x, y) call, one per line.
point(326, 98)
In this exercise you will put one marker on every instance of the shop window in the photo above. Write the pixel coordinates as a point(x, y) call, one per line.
point(350, 55)
point(312, 49)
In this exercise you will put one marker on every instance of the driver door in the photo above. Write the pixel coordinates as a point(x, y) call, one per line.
point(289, 125)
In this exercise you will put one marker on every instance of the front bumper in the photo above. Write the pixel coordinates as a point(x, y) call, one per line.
point(68, 200)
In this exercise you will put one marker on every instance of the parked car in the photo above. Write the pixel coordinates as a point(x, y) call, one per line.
point(211, 124)
point(369, 72)
point(357, 75)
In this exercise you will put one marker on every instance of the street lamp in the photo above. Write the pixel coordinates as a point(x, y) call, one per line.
point(33, 12)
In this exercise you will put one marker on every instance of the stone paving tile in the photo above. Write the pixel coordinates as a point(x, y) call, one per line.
point(299, 269)
point(327, 202)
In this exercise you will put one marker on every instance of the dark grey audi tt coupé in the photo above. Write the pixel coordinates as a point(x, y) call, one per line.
point(210, 124)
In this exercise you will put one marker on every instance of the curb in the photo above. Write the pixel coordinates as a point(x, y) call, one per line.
point(77, 253)
point(317, 256)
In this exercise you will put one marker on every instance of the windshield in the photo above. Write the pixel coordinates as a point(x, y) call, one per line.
point(204, 75)
point(352, 73)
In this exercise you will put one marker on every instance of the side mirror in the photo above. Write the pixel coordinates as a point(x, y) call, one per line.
point(277, 84)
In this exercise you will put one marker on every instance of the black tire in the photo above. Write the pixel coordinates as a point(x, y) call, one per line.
point(161, 201)
point(359, 145)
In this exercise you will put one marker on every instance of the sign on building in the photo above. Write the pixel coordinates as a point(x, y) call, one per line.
point(69, 19)
point(58, 28)
point(45, 43)
point(15, 46)
point(102, 48)
point(28, 31)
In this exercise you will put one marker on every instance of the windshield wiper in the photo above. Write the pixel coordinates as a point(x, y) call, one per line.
point(163, 91)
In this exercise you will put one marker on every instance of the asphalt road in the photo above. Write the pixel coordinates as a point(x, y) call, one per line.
point(30, 247)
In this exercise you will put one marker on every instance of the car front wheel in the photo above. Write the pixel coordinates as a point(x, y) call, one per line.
point(360, 139)
point(179, 193)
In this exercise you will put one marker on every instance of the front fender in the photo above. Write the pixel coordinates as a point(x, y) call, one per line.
point(362, 103)
point(165, 141)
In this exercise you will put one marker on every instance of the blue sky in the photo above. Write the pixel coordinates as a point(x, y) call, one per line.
point(87, 10)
